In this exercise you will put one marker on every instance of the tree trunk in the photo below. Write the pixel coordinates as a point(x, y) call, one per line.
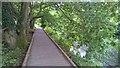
point(26, 19)
point(23, 24)
point(8, 35)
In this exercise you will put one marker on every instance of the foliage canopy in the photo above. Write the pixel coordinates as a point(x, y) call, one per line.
point(90, 23)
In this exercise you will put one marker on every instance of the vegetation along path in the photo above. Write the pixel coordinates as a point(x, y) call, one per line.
point(44, 52)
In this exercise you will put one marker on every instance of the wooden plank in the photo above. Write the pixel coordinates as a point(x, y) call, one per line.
point(56, 45)
point(45, 53)
point(28, 52)
point(61, 50)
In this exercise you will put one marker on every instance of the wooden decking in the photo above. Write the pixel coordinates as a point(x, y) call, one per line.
point(44, 52)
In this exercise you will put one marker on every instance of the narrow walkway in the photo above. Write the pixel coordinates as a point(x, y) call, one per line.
point(44, 52)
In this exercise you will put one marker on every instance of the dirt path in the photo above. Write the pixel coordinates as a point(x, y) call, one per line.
point(44, 52)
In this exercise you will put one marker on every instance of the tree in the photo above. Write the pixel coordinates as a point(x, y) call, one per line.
point(92, 24)
point(22, 24)
point(8, 25)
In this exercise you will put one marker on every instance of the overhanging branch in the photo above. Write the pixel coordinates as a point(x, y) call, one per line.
point(65, 14)
point(38, 16)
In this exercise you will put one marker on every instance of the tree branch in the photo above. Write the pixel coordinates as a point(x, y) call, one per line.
point(38, 16)
point(65, 14)
point(14, 12)
point(40, 6)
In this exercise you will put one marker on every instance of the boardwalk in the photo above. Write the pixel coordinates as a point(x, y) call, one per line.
point(44, 52)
